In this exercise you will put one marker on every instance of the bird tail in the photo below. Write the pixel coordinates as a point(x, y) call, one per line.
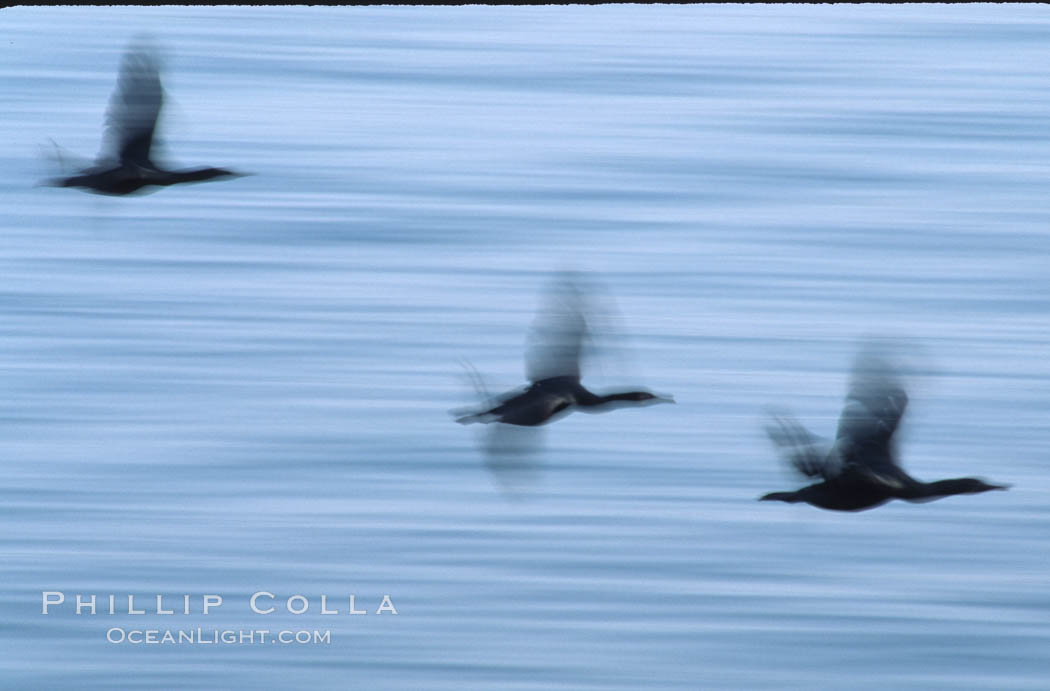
point(467, 415)
point(54, 182)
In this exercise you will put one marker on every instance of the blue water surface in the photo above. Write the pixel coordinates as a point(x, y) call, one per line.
point(243, 385)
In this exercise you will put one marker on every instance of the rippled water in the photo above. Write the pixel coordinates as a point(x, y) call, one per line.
point(244, 385)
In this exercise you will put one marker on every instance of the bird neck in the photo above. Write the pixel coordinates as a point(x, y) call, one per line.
point(199, 174)
point(944, 488)
point(630, 396)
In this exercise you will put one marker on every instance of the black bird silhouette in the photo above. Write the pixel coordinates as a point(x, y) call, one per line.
point(860, 469)
point(125, 164)
point(552, 364)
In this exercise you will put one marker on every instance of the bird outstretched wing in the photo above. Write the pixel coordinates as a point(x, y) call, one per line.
point(556, 339)
point(875, 404)
point(134, 108)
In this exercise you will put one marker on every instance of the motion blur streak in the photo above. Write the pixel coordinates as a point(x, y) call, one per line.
point(221, 386)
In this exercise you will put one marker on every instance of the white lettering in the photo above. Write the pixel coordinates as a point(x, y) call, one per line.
point(256, 596)
point(132, 610)
point(212, 601)
point(90, 603)
point(306, 604)
point(48, 601)
point(386, 606)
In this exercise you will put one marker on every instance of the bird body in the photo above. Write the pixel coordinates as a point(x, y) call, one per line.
point(128, 178)
point(536, 405)
point(544, 400)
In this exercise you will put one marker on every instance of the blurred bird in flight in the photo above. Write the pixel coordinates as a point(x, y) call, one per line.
point(860, 469)
point(126, 162)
